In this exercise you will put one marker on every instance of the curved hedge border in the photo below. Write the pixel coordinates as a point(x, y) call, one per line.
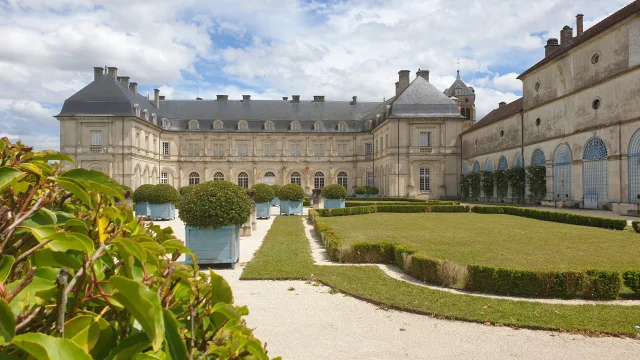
point(589, 284)
point(359, 210)
point(555, 216)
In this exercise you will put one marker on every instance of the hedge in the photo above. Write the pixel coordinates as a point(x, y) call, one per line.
point(163, 194)
point(351, 198)
point(401, 208)
point(636, 226)
point(142, 193)
point(346, 211)
point(488, 209)
point(567, 218)
point(334, 191)
point(632, 280)
point(349, 203)
point(447, 208)
point(424, 269)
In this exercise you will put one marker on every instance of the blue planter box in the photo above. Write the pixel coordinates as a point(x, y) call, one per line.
point(361, 195)
point(163, 211)
point(263, 210)
point(372, 196)
point(290, 207)
point(213, 246)
point(333, 203)
point(275, 201)
point(142, 209)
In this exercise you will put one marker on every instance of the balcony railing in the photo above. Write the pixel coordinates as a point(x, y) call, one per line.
point(426, 149)
point(97, 149)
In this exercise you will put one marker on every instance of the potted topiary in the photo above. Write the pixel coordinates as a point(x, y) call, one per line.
point(372, 191)
point(263, 196)
point(291, 196)
point(334, 195)
point(361, 192)
point(213, 213)
point(276, 200)
point(162, 200)
point(186, 189)
point(141, 199)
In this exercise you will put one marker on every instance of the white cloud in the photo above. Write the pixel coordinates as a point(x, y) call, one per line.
point(31, 110)
point(507, 82)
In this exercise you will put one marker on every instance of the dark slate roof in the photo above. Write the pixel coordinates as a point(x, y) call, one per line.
point(459, 84)
point(593, 31)
point(421, 99)
point(500, 113)
point(259, 125)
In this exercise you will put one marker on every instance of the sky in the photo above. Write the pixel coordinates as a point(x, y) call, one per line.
point(268, 48)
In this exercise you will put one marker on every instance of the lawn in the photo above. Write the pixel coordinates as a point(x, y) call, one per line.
point(496, 240)
point(286, 254)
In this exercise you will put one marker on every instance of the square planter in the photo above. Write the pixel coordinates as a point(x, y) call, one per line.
point(143, 209)
point(290, 207)
point(263, 210)
point(275, 201)
point(213, 246)
point(361, 195)
point(372, 196)
point(333, 203)
point(163, 211)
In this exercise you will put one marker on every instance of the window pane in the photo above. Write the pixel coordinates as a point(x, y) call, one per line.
point(318, 180)
point(425, 139)
point(368, 148)
point(164, 178)
point(425, 180)
point(96, 137)
point(165, 148)
point(243, 149)
point(318, 149)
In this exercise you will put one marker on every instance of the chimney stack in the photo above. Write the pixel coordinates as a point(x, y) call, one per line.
point(97, 72)
point(125, 81)
point(552, 45)
point(296, 98)
point(566, 34)
point(318, 98)
point(423, 74)
point(403, 80)
point(156, 98)
point(222, 97)
point(133, 87)
point(579, 25)
point(113, 72)
point(285, 98)
point(397, 88)
point(354, 100)
point(246, 97)
point(501, 104)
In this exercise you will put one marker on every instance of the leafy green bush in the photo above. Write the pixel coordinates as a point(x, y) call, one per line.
point(361, 190)
point(475, 184)
point(424, 269)
point(515, 177)
point(401, 208)
point(213, 204)
point(263, 193)
point(372, 190)
point(400, 254)
point(447, 209)
point(347, 211)
point(276, 189)
point(142, 193)
point(163, 194)
point(537, 180)
point(636, 226)
point(488, 209)
point(567, 218)
point(502, 184)
point(306, 202)
point(465, 186)
point(334, 191)
point(632, 280)
point(488, 184)
point(291, 192)
point(371, 253)
point(379, 199)
point(186, 189)
point(82, 278)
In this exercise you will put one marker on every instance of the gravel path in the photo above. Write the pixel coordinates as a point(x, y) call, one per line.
point(302, 321)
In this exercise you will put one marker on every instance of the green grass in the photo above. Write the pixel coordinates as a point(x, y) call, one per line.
point(286, 254)
point(496, 240)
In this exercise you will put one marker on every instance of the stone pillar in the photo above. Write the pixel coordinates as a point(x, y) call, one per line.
point(316, 200)
point(254, 221)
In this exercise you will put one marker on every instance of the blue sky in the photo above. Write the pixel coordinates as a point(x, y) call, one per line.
point(267, 48)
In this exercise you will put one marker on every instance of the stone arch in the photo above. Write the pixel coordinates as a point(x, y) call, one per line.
point(194, 178)
point(137, 170)
point(561, 172)
point(538, 158)
point(503, 164)
point(634, 168)
point(343, 126)
point(194, 125)
point(318, 126)
point(488, 165)
point(218, 176)
point(518, 161)
point(476, 166)
point(243, 125)
point(145, 175)
point(295, 177)
point(595, 181)
point(243, 179)
point(269, 177)
point(319, 179)
point(217, 125)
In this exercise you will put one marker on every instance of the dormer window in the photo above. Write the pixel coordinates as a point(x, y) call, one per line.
point(268, 126)
point(318, 126)
point(146, 114)
point(342, 126)
point(165, 123)
point(218, 125)
point(367, 125)
point(243, 126)
point(295, 126)
point(194, 125)
point(136, 107)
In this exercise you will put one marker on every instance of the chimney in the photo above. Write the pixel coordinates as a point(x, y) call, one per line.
point(246, 97)
point(501, 104)
point(579, 25)
point(423, 74)
point(161, 97)
point(552, 45)
point(354, 100)
point(296, 98)
point(285, 98)
point(403, 80)
point(125, 81)
point(397, 88)
point(156, 98)
point(97, 72)
point(566, 34)
point(222, 97)
point(113, 72)
point(318, 98)
point(133, 87)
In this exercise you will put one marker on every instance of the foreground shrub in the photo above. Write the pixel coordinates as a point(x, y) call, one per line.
point(334, 191)
point(186, 189)
point(142, 193)
point(347, 211)
point(372, 190)
point(632, 280)
point(378, 199)
point(163, 194)
point(372, 253)
point(361, 190)
point(423, 269)
point(82, 278)
point(213, 204)
point(488, 209)
point(636, 226)
point(401, 208)
point(567, 218)
point(447, 208)
point(263, 193)
point(291, 192)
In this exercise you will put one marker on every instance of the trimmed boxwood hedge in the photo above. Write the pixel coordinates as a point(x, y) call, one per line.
point(632, 280)
point(142, 193)
point(263, 193)
point(636, 226)
point(186, 189)
point(334, 191)
point(347, 211)
point(163, 194)
point(372, 190)
point(488, 209)
point(384, 199)
point(360, 190)
point(213, 204)
point(567, 218)
point(291, 192)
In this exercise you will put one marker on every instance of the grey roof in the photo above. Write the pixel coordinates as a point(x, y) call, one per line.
point(259, 125)
point(459, 84)
point(421, 99)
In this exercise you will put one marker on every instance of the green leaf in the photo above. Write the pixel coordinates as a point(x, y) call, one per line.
point(92, 185)
point(92, 333)
point(7, 323)
point(47, 155)
point(7, 175)
point(176, 346)
point(63, 241)
point(220, 289)
point(41, 288)
point(7, 357)
point(129, 246)
point(45, 347)
point(74, 187)
point(145, 357)
point(228, 310)
point(172, 245)
point(144, 306)
point(129, 347)
point(6, 262)
point(31, 168)
point(48, 257)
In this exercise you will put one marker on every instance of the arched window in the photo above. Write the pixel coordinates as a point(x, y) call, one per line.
point(166, 123)
point(318, 126)
point(295, 126)
point(537, 158)
point(465, 168)
point(476, 166)
point(634, 168)
point(488, 165)
point(595, 182)
point(194, 178)
point(468, 114)
point(243, 180)
point(218, 176)
point(342, 179)
point(194, 125)
point(269, 178)
point(367, 125)
point(318, 180)
point(268, 126)
point(243, 126)
point(218, 125)
point(502, 163)
point(425, 179)
point(342, 126)
point(296, 178)
point(518, 160)
point(561, 173)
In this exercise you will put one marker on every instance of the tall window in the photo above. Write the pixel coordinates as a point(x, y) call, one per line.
point(318, 180)
point(269, 149)
point(343, 149)
point(296, 149)
point(218, 176)
point(425, 139)
point(368, 149)
point(296, 178)
point(342, 179)
point(425, 179)
point(217, 150)
point(318, 149)
point(164, 177)
point(194, 178)
point(243, 126)
point(217, 125)
point(96, 137)
point(342, 126)
point(243, 149)
point(269, 178)
point(154, 143)
point(370, 178)
point(193, 149)
point(243, 180)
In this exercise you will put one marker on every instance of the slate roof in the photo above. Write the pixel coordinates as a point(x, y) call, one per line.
point(421, 99)
point(466, 91)
point(498, 114)
point(593, 31)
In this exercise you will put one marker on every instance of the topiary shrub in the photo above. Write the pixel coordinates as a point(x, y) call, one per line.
point(186, 189)
point(502, 184)
point(163, 194)
point(465, 186)
point(291, 192)
point(516, 178)
point(636, 226)
point(263, 193)
point(361, 190)
point(475, 185)
point(276, 189)
point(142, 193)
point(334, 191)
point(372, 190)
point(213, 204)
